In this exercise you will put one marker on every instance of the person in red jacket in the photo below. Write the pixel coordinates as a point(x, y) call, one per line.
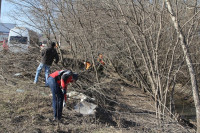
point(5, 46)
point(58, 82)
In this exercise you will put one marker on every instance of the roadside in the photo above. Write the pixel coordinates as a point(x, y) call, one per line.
point(25, 107)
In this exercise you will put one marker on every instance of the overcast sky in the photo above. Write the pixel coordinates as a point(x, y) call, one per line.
point(5, 9)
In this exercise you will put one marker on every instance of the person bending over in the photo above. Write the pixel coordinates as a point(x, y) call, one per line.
point(58, 82)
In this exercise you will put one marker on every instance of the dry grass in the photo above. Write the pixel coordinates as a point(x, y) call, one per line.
point(25, 107)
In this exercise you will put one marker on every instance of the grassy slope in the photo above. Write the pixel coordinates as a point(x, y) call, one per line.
point(25, 107)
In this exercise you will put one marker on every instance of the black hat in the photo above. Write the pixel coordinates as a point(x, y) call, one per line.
point(75, 76)
point(53, 44)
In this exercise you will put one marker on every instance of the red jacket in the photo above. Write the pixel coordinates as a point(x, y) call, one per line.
point(62, 79)
point(5, 46)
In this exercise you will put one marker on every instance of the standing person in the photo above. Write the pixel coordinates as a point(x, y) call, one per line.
point(48, 56)
point(101, 64)
point(58, 82)
point(5, 45)
point(100, 59)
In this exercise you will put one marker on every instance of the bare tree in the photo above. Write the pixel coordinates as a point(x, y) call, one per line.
point(189, 63)
point(137, 38)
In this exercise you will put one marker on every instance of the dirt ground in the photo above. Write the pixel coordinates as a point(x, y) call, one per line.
point(26, 107)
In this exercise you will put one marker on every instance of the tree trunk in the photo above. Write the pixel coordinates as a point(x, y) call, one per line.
point(189, 63)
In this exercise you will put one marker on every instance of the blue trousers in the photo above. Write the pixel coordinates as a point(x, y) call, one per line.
point(57, 97)
point(39, 68)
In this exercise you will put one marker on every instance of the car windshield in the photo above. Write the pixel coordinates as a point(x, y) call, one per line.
point(18, 40)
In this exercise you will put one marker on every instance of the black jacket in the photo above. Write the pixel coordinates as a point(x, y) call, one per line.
point(48, 56)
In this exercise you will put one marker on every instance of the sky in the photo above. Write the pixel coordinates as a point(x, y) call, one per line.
point(5, 9)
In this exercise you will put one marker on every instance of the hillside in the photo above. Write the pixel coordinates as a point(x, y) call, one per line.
point(26, 107)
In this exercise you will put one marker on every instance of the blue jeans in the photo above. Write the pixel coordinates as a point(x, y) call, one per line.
point(39, 68)
point(57, 98)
